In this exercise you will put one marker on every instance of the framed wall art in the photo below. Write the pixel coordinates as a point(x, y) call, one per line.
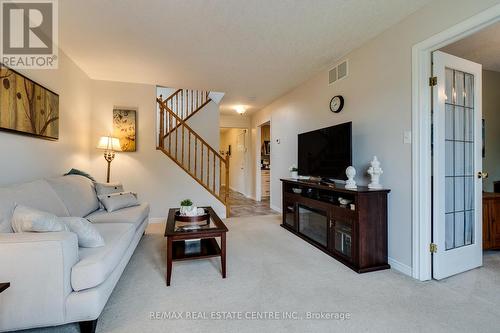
point(124, 128)
point(27, 107)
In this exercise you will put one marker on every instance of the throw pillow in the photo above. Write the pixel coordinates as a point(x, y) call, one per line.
point(107, 188)
point(117, 201)
point(88, 235)
point(26, 219)
point(79, 173)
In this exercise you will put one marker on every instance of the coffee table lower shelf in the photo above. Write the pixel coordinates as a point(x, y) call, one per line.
point(208, 248)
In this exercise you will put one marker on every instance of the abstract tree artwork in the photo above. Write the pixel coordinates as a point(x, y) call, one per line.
point(124, 122)
point(26, 107)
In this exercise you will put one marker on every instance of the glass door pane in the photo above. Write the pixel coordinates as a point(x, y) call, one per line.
point(343, 238)
point(459, 160)
point(290, 214)
point(313, 223)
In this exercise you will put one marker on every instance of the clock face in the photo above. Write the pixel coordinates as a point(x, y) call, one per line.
point(336, 104)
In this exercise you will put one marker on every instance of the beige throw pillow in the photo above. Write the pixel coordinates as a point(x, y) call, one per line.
point(115, 201)
point(107, 188)
point(26, 219)
point(88, 235)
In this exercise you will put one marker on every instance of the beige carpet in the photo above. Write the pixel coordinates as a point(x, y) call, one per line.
point(270, 270)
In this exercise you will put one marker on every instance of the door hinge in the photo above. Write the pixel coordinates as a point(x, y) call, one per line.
point(433, 81)
point(433, 248)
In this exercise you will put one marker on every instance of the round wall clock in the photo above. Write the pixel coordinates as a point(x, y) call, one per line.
point(336, 104)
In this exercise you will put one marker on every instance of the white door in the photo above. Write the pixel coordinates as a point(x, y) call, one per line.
point(457, 162)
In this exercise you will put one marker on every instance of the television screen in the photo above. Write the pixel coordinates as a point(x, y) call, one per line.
point(326, 152)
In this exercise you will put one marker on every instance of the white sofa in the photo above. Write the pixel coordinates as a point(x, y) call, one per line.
point(52, 280)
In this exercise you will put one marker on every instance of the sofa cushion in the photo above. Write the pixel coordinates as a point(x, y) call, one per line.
point(37, 194)
point(77, 193)
point(96, 264)
point(134, 215)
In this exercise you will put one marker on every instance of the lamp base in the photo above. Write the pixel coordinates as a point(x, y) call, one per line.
point(109, 155)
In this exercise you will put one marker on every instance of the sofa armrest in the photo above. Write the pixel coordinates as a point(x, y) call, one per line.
point(38, 267)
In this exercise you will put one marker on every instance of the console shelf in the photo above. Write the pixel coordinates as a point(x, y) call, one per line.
point(354, 233)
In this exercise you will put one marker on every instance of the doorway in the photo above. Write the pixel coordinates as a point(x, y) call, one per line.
point(482, 49)
point(431, 200)
point(234, 143)
point(456, 159)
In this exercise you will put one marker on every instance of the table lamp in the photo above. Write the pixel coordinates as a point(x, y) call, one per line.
point(110, 145)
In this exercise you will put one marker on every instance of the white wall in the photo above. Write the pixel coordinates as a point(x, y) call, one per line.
point(378, 101)
point(236, 121)
point(156, 178)
point(491, 115)
point(26, 158)
point(239, 165)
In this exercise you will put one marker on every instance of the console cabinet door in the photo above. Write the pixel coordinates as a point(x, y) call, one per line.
point(495, 222)
point(289, 215)
point(341, 233)
point(487, 234)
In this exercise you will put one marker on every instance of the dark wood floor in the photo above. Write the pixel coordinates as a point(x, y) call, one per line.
point(243, 206)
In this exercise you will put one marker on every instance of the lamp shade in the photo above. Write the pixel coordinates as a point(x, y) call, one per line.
point(109, 143)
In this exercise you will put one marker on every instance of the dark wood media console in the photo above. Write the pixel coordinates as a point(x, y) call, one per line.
point(355, 236)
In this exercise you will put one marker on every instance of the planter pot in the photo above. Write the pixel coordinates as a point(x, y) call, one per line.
point(185, 209)
point(294, 174)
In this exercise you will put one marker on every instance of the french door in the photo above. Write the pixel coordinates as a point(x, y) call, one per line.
point(457, 162)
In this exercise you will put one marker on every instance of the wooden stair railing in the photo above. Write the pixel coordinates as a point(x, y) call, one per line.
point(185, 103)
point(192, 153)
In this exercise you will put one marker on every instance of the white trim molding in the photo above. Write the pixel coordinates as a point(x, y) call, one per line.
point(421, 135)
point(275, 208)
point(400, 267)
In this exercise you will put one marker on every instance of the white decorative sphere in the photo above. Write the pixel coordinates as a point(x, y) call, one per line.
point(350, 172)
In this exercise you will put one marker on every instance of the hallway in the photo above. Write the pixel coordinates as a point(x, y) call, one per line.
point(243, 206)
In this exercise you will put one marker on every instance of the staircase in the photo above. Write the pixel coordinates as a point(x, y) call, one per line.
point(188, 149)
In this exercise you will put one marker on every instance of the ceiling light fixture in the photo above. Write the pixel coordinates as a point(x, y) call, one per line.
point(240, 109)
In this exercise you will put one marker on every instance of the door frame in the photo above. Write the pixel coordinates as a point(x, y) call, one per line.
point(421, 134)
point(258, 175)
point(247, 156)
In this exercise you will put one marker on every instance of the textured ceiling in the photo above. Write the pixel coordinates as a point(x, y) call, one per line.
point(482, 47)
point(253, 50)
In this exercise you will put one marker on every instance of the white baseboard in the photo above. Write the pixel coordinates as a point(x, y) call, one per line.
point(278, 209)
point(400, 267)
point(157, 220)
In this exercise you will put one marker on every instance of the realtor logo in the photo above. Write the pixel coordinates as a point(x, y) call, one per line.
point(29, 34)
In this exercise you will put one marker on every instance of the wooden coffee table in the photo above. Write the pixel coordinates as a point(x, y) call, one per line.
point(178, 250)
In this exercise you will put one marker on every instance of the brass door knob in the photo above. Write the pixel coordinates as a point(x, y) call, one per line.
point(482, 174)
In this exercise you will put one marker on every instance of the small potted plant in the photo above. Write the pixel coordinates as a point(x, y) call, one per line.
point(294, 171)
point(186, 206)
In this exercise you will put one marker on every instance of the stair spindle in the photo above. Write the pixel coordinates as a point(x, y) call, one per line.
point(201, 166)
point(169, 131)
point(182, 153)
point(195, 155)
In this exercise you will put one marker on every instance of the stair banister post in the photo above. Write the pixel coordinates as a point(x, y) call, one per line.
point(162, 130)
point(226, 194)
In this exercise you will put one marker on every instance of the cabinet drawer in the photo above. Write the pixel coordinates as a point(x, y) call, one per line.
point(345, 214)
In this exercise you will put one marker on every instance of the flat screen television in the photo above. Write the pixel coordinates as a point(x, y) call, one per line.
point(326, 152)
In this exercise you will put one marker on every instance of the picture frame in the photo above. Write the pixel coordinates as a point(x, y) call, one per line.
point(124, 128)
point(27, 107)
